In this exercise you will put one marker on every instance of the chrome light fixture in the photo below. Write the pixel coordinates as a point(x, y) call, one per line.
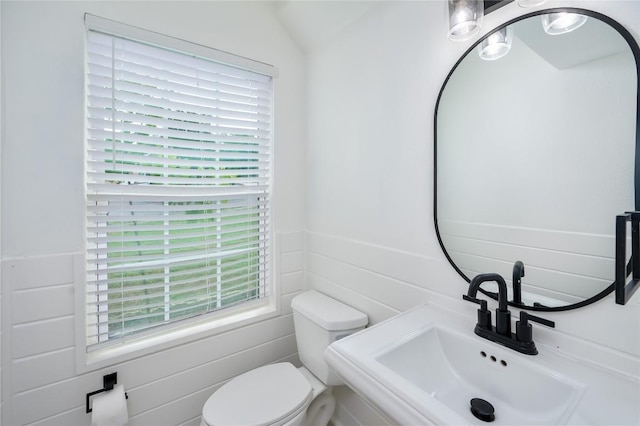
point(530, 3)
point(562, 22)
point(465, 18)
point(497, 44)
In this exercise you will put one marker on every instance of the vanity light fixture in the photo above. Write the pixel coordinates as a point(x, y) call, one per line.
point(497, 44)
point(465, 18)
point(562, 22)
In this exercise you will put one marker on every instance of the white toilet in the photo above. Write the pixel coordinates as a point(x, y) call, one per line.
point(281, 394)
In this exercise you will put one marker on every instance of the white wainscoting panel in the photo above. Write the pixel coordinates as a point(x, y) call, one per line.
point(583, 263)
point(169, 387)
point(379, 281)
point(382, 281)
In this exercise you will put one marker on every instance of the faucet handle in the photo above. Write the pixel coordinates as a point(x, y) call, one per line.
point(524, 331)
point(484, 315)
point(481, 302)
point(525, 316)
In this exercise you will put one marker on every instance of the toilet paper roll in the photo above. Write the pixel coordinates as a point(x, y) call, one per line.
point(110, 408)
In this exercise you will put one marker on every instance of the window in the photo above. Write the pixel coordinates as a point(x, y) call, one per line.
point(178, 183)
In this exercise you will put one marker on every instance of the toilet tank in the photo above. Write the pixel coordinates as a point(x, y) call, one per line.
point(319, 321)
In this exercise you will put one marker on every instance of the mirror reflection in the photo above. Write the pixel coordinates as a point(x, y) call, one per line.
point(535, 156)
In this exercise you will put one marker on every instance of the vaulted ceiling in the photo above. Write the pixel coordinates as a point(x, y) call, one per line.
point(312, 23)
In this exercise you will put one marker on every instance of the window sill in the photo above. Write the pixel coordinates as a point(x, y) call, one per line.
point(190, 331)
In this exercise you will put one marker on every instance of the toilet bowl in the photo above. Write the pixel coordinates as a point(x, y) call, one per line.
point(281, 394)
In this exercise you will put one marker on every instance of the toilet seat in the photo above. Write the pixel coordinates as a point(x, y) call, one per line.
point(268, 395)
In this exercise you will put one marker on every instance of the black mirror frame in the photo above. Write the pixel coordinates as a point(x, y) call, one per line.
point(635, 49)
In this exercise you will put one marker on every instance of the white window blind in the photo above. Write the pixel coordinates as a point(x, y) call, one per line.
point(178, 186)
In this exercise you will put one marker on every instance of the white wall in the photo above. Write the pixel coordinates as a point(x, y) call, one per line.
point(43, 206)
point(371, 239)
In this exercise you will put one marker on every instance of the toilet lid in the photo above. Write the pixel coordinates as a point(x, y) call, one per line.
point(259, 397)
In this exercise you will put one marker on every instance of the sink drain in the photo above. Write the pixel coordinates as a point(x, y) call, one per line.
point(482, 409)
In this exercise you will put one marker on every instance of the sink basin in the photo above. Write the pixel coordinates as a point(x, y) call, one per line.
point(424, 366)
point(451, 368)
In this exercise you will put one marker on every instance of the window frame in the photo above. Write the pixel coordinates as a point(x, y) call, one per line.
point(212, 323)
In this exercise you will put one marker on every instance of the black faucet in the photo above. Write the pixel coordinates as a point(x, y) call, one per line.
point(503, 316)
point(518, 273)
point(522, 340)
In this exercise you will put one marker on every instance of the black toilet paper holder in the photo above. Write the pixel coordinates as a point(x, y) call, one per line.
point(108, 382)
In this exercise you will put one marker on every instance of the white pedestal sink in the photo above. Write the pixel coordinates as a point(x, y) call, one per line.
point(424, 366)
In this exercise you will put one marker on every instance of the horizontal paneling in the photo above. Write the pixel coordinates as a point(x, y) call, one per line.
point(291, 267)
point(166, 387)
point(75, 417)
point(291, 241)
point(169, 413)
point(68, 394)
point(411, 268)
point(291, 282)
point(375, 286)
point(291, 262)
point(338, 268)
point(50, 270)
point(286, 303)
point(41, 304)
point(42, 336)
point(552, 260)
point(407, 267)
point(149, 396)
point(560, 265)
point(40, 370)
point(378, 276)
point(175, 360)
point(376, 311)
point(562, 241)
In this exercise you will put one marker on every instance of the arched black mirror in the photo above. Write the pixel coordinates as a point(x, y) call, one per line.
point(535, 155)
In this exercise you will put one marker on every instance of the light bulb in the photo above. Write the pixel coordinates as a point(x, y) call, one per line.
point(496, 44)
point(465, 18)
point(562, 22)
